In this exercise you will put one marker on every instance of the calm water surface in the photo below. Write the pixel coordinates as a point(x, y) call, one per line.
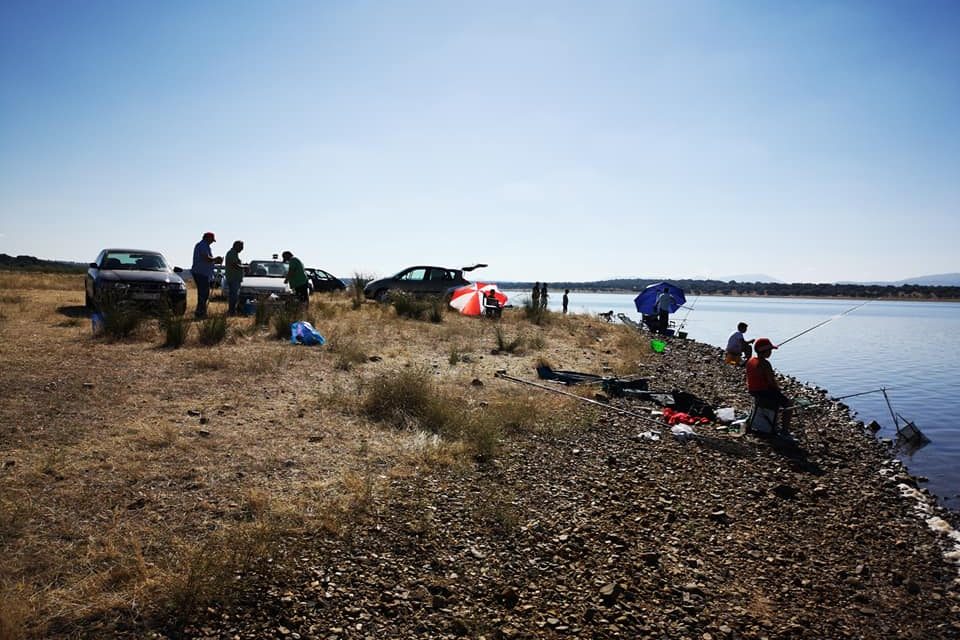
point(912, 348)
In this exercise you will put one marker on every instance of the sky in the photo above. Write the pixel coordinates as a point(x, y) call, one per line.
point(555, 141)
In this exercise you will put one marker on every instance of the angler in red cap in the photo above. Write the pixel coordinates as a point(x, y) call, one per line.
point(202, 271)
point(762, 383)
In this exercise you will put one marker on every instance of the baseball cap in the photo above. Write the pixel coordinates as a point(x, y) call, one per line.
point(763, 344)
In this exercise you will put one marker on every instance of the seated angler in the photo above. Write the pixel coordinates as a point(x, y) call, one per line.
point(762, 382)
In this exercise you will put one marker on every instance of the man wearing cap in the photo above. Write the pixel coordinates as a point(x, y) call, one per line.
point(664, 300)
point(762, 383)
point(297, 278)
point(202, 271)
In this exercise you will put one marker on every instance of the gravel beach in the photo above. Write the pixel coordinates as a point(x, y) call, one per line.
point(599, 531)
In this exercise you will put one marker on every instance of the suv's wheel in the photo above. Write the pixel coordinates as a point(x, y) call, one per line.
point(382, 295)
point(180, 308)
point(87, 300)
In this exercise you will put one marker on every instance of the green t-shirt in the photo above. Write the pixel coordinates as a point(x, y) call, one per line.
point(295, 274)
point(232, 266)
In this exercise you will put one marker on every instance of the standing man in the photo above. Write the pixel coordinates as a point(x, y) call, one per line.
point(234, 276)
point(543, 296)
point(297, 278)
point(664, 300)
point(762, 383)
point(536, 295)
point(202, 271)
point(566, 299)
point(737, 345)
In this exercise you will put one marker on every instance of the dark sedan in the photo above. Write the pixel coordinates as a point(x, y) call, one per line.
point(135, 276)
point(420, 281)
point(322, 281)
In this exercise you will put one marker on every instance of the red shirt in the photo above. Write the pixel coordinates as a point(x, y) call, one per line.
point(760, 375)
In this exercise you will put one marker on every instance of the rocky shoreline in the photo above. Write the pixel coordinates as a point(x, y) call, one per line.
point(596, 531)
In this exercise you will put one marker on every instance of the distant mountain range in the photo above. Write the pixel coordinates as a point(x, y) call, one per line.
point(938, 280)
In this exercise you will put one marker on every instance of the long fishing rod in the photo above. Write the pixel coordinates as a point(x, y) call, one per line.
point(683, 322)
point(820, 324)
point(504, 376)
point(838, 398)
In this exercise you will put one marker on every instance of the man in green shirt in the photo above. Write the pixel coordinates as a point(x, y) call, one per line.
point(296, 277)
point(234, 276)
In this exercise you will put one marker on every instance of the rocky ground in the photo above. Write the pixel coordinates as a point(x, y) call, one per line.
point(592, 530)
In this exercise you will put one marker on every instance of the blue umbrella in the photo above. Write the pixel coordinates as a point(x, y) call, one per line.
point(647, 300)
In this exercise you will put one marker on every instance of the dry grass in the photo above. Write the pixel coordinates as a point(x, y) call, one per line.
point(114, 453)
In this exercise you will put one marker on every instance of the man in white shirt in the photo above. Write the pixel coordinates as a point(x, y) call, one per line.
point(737, 345)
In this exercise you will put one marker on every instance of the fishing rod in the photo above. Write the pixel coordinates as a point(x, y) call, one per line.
point(503, 375)
point(683, 322)
point(820, 324)
point(838, 398)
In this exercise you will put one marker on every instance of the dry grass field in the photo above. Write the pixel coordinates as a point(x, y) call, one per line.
point(137, 479)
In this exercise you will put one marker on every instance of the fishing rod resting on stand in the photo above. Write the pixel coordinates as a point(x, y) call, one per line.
point(503, 375)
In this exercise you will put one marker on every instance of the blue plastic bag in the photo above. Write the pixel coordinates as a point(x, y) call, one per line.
point(304, 333)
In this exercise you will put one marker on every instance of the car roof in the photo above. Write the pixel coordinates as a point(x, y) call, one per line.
point(112, 250)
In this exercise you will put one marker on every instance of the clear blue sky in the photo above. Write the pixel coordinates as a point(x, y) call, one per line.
point(811, 141)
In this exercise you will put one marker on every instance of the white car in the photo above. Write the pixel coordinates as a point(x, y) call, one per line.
point(264, 278)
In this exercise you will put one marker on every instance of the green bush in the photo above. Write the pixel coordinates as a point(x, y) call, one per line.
point(176, 329)
point(417, 308)
point(120, 318)
point(213, 330)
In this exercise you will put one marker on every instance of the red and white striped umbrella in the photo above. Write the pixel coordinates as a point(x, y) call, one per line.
point(468, 300)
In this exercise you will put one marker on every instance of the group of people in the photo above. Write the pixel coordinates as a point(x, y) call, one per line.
point(761, 380)
point(204, 263)
point(539, 296)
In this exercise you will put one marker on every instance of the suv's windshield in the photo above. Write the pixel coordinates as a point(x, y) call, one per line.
point(267, 268)
point(126, 261)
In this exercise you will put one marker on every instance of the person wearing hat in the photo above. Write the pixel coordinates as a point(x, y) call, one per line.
point(202, 271)
point(297, 277)
point(737, 345)
point(762, 383)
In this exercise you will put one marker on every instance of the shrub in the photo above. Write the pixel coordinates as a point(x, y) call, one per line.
point(120, 319)
point(534, 313)
point(504, 344)
point(347, 350)
point(360, 280)
point(176, 329)
point(213, 330)
point(410, 399)
point(408, 306)
point(283, 316)
point(261, 317)
point(436, 310)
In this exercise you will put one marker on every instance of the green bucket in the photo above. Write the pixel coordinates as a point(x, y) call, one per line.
point(658, 345)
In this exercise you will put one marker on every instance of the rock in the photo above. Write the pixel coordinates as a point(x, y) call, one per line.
point(203, 433)
point(785, 492)
point(609, 593)
point(476, 382)
point(194, 413)
point(509, 597)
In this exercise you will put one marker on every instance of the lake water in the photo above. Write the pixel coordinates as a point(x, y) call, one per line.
point(911, 348)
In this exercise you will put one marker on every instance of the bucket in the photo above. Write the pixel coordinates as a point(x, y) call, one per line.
point(682, 335)
point(658, 345)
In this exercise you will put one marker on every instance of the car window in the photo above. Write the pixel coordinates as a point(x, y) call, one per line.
point(125, 260)
point(266, 268)
point(414, 274)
